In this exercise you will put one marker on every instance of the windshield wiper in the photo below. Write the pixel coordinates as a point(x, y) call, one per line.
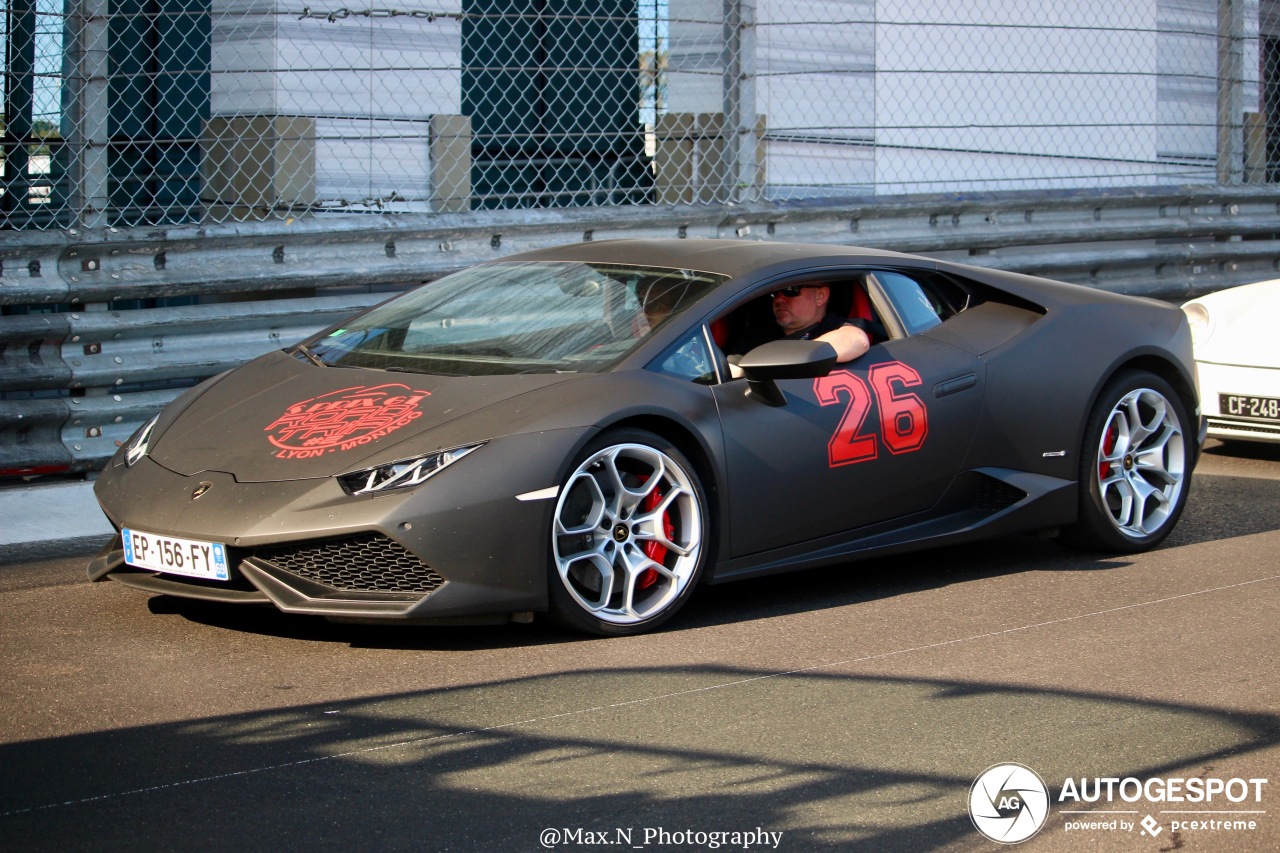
point(311, 356)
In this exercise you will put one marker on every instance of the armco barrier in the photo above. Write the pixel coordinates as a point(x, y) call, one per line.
point(102, 352)
point(81, 377)
point(70, 434)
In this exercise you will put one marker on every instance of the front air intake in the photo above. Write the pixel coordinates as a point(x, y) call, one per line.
point(366, 562)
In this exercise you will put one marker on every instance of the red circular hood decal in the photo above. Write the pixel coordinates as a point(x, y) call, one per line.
point(344, 420)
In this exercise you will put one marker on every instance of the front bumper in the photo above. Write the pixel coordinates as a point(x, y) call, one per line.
point(459, 546)
point(1216, 379)
point(310, 576)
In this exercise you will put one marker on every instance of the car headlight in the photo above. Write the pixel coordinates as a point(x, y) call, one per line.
point(139, 444)
point(1200, 322)
point(404, 474)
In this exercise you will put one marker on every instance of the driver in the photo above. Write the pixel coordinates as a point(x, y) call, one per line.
point(802, 312)
point(658, 300)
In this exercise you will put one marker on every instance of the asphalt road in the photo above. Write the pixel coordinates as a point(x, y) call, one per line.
point(846, 709)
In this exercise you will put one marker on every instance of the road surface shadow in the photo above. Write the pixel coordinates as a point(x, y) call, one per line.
point(834, 761)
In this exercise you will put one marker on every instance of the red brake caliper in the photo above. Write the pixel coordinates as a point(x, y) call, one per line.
point(655, 551)
point(1108, 445)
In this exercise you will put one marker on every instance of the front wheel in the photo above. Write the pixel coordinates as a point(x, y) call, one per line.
point(629, 539)
point(1137, 463)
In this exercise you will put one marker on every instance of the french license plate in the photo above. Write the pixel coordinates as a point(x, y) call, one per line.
point(174, 556)
point(1249, 406)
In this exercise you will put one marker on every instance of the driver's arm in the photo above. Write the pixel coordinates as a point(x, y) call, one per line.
point(849, 342)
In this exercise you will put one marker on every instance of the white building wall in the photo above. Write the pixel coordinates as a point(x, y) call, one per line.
point(858, 96)
point(243, 58)
point(371, 84)
point(1188, 88)
point(816, 88)
point(900, 96)
point(1013, 95)
point(695, 70)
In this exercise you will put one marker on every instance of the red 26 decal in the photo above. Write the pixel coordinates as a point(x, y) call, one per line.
point(904, 420)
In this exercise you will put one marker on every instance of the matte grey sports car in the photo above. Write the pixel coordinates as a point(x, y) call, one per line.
point(595, 430)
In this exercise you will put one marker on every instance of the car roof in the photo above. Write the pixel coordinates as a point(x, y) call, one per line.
point(734, 258)
point(747, 263)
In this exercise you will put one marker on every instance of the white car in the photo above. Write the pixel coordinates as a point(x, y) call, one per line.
point(1237, 357)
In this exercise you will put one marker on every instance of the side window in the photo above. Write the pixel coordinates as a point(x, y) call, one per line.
point(918, 312)
point(754, 322)
point(689, 359)
point(923, 300)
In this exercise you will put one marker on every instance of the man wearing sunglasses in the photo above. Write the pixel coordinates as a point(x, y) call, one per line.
point(802, 312)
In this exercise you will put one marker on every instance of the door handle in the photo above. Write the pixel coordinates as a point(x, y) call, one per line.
point(955, 386)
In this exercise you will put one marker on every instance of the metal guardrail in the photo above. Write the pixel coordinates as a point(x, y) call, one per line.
point(75, 380)
point(94, 353)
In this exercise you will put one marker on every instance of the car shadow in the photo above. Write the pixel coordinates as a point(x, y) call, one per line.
point(1218, 507)
point(1225, 507)
point(1243, 450)
point(267, 621)
point(741, 601)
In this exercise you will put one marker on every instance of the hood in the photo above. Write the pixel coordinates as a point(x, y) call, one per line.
point(278, 418)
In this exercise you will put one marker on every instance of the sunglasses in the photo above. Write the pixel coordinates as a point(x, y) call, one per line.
point(790, 292)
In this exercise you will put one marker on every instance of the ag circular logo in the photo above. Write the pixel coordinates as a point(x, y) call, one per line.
point(1008, 803)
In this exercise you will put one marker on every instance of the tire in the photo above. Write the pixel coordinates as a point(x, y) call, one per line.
point(630, 536)
point(1135, 467)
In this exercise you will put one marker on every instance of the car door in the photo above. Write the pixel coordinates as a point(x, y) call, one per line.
point(878, 438)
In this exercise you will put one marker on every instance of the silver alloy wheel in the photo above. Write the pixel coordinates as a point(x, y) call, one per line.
point(1141, 463)
point(628, 533)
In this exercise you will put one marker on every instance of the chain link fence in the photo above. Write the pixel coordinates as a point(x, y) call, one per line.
point(136, 112)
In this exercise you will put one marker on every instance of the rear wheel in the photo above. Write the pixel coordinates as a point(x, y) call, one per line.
point(1137, 461)
point(629, 539)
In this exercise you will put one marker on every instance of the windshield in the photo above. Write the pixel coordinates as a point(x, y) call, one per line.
point(534, 317)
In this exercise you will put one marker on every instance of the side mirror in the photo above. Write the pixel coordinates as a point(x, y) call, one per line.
point(767, 363)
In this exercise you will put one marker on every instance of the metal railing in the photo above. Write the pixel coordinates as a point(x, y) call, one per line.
point(89, 349)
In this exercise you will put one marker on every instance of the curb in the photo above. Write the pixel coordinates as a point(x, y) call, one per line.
point(49, 520)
